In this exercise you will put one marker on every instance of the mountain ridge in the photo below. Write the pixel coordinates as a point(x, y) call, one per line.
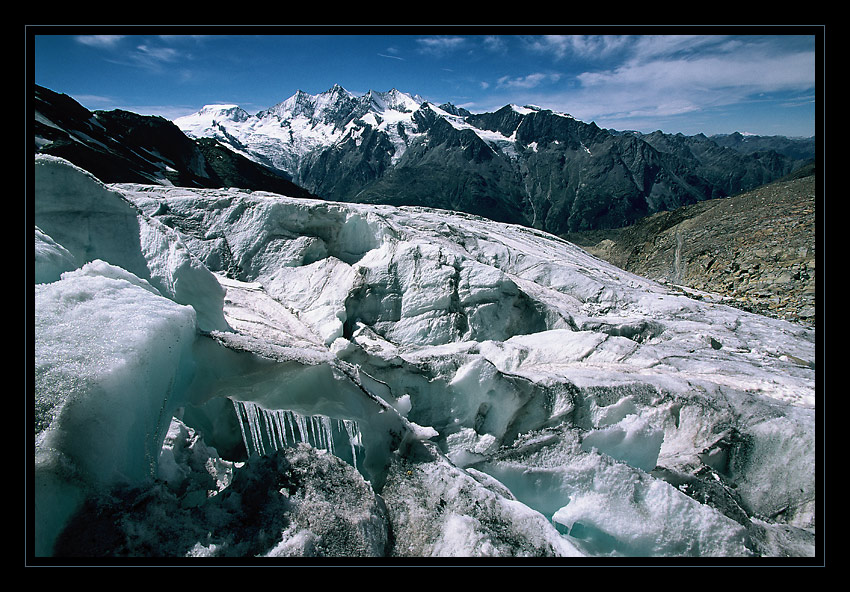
point(525, 165)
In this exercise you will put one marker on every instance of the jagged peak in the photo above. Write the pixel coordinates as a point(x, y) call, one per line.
point(337, 89)
point(393, 99)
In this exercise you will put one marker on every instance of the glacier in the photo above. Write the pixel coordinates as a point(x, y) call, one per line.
point(227, 373)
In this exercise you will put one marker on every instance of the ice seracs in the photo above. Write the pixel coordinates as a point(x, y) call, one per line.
point(512, 395)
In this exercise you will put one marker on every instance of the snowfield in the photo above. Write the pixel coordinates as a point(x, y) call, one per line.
point(235, 374)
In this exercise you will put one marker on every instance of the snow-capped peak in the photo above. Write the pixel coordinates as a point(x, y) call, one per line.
point(394, 100)
point(210, 117)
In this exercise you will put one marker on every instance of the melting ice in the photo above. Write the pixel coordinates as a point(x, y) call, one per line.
point(267, 430)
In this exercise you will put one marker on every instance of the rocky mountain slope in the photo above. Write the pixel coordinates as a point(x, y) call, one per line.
point(757, 249)
point(799, 148)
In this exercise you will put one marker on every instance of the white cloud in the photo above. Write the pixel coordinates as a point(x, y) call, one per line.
point(530, 81)
point(585, 46)
point(739, 73)
point(101, 41)
point(670, 75)
point(440, 45)
point(150, 54)
point(494, 44)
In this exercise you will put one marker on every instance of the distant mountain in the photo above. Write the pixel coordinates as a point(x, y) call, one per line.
point(802, 149)
point(120, 146)
point(524, 165)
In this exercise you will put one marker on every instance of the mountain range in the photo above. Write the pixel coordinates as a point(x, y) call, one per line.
point(525, 165)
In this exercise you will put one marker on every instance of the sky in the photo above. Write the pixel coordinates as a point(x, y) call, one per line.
point(705, 80)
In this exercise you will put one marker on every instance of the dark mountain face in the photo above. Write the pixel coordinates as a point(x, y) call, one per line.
point(120, 146)
point(727, 170)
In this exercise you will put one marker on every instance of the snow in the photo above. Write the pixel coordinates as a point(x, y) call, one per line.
point(476, 389)
point(524, 110)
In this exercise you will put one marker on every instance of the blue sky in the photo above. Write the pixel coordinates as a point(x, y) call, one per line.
point(710, 82)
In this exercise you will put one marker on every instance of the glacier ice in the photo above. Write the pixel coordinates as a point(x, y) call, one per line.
point(466, 388)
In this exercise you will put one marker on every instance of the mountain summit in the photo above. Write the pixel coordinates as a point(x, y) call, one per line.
point(525, 165)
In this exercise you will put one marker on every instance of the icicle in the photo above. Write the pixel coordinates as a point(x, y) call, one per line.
point(239, 407)
point(288, 420)
point(264, 429)
point(329, 437)
point(353, 432)
point(302, 427)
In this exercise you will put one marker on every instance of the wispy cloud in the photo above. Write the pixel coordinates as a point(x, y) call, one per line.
point(152, 53)
point(495, 44)
point(100, 41)
point(621, 78)
point(585, 46)
point(529, 81)
point(440, 45)
point(94, 101)
point(665, 81)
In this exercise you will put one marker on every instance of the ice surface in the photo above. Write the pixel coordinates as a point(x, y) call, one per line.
point(486, 389)
point(51, 259)
point(615, 510)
